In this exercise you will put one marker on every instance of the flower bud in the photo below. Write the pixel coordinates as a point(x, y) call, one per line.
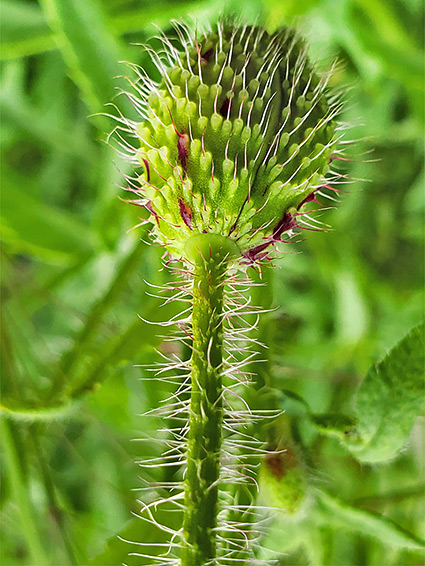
point(237, 136)
point(283, 481)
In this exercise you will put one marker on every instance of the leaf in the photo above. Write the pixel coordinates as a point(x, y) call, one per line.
point(25, 31)
point(386, 407)
point(21, 21)
point(293, 404)
point(383, 34)
point(159, 13)
point(20, 491)
point(339, 514)
point(335, 425)
point(30, 226)
point(91, 52)
point(284, 536)
point(118, 349)
point(33, 412)
point(389, 400)
point(47, 124)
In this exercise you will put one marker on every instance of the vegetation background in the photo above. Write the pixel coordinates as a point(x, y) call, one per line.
point(74, 277)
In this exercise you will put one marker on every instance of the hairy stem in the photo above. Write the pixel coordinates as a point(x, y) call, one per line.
point(206, 415)
point(259, 396)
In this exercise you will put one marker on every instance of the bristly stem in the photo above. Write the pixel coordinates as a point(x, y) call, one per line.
point(259, 396)
point(206, 415)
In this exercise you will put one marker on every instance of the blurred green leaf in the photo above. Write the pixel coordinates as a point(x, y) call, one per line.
point(46, 121)
point(28, 523)
point(30, 226)
point(339, 514)
point(34, 412)
point(24, 29)
point(336, 425)
point(118, 349)
point(90, 50)
point(383, 32)
point(94, 318)
point(21, 20)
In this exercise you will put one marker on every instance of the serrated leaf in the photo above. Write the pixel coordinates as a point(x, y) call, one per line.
point(390, 399)
point(337, 513)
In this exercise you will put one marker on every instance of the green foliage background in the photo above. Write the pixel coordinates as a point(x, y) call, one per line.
point(74, 280)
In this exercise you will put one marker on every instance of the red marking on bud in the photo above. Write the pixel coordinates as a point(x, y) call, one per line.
point(206, 56)
point(309, 198)
point(286, 223)
point(255, 254)
point(224, 108)
point(203, 143)
point(280, 463)
point(338, 158)
point(185, 213)
point(148, 206)
point(182, 144)
point(148, 173)
point(183, 150)
point(135, 202)
point(333, 189)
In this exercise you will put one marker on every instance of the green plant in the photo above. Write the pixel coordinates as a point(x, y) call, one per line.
point(74, 280)
point(236, 138)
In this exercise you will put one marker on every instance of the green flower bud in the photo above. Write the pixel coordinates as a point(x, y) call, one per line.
point(283, 481)
point(237, 136)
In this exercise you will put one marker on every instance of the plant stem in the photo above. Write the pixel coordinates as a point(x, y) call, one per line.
point(65, 376)
point(55, 509)
point(20, 492)
point(206, 416)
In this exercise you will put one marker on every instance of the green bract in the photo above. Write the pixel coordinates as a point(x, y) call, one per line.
point(237, 137)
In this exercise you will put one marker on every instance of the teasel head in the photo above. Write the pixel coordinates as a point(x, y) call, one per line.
point(235, 139)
